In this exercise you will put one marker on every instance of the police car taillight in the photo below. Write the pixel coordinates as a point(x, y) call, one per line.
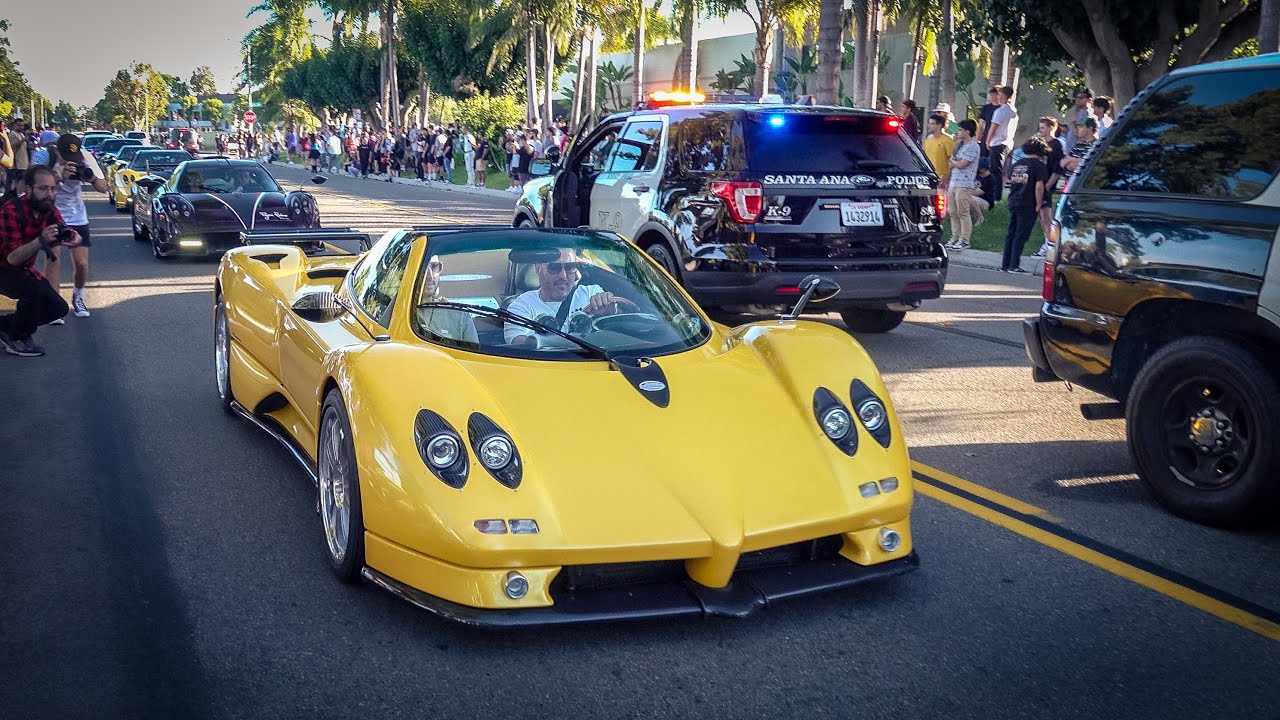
point(894, 123)
point(940, 204)
point(745, 199)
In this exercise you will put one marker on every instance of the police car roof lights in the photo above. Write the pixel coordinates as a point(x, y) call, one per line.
point(663, 98)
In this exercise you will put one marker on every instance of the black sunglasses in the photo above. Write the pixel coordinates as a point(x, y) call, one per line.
point(556, 268)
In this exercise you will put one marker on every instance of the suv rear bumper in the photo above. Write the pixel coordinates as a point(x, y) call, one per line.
point(878, 287)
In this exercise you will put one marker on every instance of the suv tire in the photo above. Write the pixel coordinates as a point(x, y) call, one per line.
point(662, 255)
point(872, 320)
point(1179, 384)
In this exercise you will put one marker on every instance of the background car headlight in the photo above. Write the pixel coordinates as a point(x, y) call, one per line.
point(495, 452)
point(836, 422)
point(872, 414)
point(442, 451)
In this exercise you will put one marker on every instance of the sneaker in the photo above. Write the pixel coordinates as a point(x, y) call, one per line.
point(1041, 252)
point(1016, 270)
point(962, 245)
point(77, 304)
point(24, 348)
point(59, 321)
point(5, 339)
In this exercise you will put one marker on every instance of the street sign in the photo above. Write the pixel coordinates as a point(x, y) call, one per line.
point(250, 116)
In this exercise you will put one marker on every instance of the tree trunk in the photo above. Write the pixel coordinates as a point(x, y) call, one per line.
point(860, 44)
point(384, 95)
point(593, 78)
point(915, 55)
point(686, 72)
point(999, 63)
point(874, 18)
point(947, 59)
point(549, 63)
point(393, 81)
point(1269, 27)
point(830, 33)
point(531, 76)
point(580, 82)
point(637, 56)
point(424, 97)
point(763, 52)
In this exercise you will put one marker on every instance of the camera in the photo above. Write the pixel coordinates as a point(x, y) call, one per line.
point(82, 173)
point(64, 232)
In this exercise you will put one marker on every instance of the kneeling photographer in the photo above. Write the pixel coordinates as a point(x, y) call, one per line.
point(31, 224)
point(74, 168)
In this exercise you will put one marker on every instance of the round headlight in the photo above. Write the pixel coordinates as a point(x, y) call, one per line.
point(442, 451)
point(496, 452)
point(872, 414)
point(836, 422)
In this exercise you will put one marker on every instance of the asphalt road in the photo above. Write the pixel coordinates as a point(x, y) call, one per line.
point(165, 560)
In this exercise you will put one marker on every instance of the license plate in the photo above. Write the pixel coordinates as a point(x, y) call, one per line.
point(861, 214)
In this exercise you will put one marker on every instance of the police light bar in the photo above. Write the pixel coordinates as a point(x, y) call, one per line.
point(662, 98)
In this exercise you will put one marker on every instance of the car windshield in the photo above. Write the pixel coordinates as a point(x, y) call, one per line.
point(115, 144)
point(128, 152)
point(226, 178)
point(93, 141)
point(607, 297)
point(158, 157)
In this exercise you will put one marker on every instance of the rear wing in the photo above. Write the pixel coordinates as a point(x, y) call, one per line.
point(312, 241)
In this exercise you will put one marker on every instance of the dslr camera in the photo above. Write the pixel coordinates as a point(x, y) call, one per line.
point(64, 232)
point(82, 173)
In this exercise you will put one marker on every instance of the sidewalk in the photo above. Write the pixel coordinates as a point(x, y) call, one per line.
point(442, 186)
point(989, 260)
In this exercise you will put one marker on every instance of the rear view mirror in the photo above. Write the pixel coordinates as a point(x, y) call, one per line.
point(319, 179)
point(542, 168)
point(813, 288)
point(321, 306)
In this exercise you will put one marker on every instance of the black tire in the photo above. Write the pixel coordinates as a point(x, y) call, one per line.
point(1232, 481)
point(138, 233)
point(155, 247)
point(872, 320)
point(222, 357)
point(661, 254)
point(333, 418)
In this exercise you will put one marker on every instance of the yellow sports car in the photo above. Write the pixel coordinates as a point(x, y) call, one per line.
point(118, 162)
point(526, 426)
point(156, 162)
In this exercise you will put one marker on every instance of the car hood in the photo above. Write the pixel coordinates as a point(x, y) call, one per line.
point(250, 210)
point(735, 462)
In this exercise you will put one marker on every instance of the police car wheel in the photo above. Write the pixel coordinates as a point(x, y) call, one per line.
point(662, 256)
point(871, 320)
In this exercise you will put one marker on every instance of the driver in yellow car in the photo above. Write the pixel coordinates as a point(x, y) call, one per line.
point(558, 284)
point(444, 322)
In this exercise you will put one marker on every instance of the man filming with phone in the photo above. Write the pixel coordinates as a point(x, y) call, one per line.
point(29, 225)
point(74, 168)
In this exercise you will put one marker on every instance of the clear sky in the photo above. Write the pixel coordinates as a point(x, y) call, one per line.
point(173, 37)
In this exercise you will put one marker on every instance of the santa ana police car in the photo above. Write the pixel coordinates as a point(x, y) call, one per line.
point(739, 202)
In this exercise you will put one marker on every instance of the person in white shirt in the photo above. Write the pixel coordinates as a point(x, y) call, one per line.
point(469, 154)
point(69, 159)
point(559, 284)
point(1004, 126)
point(335, 152)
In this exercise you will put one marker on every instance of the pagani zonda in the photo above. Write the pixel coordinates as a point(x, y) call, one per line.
point(205, 205)
point(524, 426)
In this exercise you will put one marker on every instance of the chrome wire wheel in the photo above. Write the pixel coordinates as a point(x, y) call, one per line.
point(335, 510)
point(222, 353)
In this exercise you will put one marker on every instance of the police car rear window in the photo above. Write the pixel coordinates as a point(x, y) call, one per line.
point(783, 142)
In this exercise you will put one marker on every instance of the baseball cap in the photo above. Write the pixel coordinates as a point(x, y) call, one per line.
point(944, 108)
point(68, 146)
point(1087, 122)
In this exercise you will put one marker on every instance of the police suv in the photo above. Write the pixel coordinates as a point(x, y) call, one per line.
point(740, 202)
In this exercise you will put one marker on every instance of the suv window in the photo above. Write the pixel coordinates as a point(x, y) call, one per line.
point(707, 144)
point(832, 144)
point(638, 147)
point(377, 279)
point(1208, 136)
point(593, 158)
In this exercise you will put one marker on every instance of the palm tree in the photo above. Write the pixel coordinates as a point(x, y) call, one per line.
point(831, 24)
point(766, 16)
point(637, 55)
point(686, 72)
point(947, 55)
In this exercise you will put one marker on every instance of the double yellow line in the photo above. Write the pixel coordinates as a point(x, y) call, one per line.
point(1034, 523)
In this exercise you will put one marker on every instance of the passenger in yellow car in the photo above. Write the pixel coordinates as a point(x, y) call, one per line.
point(558, 285)
point(445, 322)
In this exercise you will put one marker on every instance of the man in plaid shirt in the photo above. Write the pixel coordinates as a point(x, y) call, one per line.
point(29, 224)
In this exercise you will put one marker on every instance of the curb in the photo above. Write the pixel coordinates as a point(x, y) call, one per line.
point(988, 260)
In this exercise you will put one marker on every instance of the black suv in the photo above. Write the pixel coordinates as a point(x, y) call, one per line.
point(1163, 290)
point(739, 202)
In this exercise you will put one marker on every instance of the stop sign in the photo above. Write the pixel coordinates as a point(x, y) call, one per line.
point(250, 116)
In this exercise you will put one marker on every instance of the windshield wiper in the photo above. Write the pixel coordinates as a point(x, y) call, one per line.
point(522, 321)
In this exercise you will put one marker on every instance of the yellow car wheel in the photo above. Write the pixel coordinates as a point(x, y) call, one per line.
point(339, 488)
point(222, 356)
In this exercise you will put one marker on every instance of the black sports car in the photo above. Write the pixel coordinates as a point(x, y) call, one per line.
point(204, 205)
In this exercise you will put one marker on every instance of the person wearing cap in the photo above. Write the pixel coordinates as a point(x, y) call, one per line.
point(30, 224)
point(68, 158)
point(1086, 133)
point(883, 104)
point(1081, 110)
point(962, 182)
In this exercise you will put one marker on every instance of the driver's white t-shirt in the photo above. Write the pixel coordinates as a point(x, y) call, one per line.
point(532, 306)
